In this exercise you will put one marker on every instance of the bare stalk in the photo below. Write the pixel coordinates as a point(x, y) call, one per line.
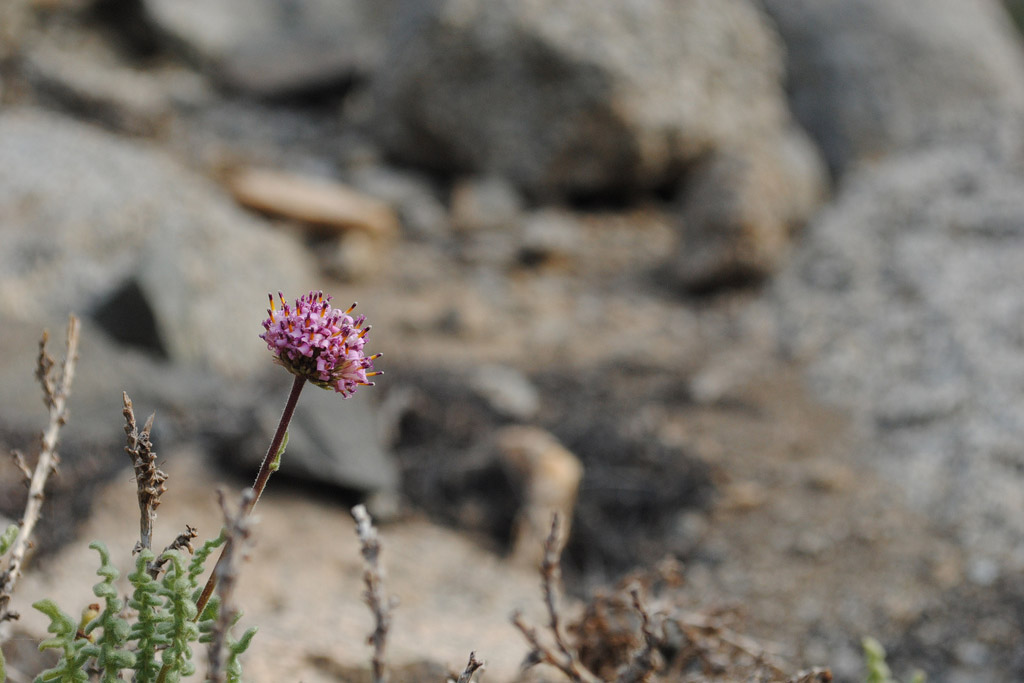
point(373, 579)
point(236, 530)
point(56, 389)
point(149, 479)
point(561, 656)
point(642, 664)
point(267, 467)
point(471, 667)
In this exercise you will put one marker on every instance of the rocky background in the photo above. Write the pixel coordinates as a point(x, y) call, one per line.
point(732, 281)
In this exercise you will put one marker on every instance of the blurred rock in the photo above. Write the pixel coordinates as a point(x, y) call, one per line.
point(88, 221)
point(550, 478)
point(353, 257)
point(79, 74)
point(276, 47)
point(122, 99)
point(576, 98)
point(868, 77)
point(550, 237)
point(904, 301)
point(742, 206)
point(420, 210)
point(507, 391)
point(331, 440)
point(318, 203)
point(488, 203)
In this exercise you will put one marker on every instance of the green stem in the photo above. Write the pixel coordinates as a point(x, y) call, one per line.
point(266, 469)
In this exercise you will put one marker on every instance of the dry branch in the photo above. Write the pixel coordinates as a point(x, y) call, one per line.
point(373, 579)
point(471, 667)
point(236, 531)
point(149, 479)
point(561, 656)
point(56, 389)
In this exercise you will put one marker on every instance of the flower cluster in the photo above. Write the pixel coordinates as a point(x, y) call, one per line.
point(321, 344)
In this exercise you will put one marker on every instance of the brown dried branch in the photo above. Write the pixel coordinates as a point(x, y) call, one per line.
point(182, 541)
point(471, 667)
point(643, 662)
point(236, 530)
point(701, 629)
point(561, 656)
point(149, 479)
point(373, 579)
point(56, 389)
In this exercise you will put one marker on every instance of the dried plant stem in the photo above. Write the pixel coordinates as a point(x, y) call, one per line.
point(236, 530)
point(373, 579)
point(56, 390)
point(149, 479)
point(697, 626)
point(182, 541)
point(642, 664)
point(471, 666)
point(266, 469)
point(563, 658)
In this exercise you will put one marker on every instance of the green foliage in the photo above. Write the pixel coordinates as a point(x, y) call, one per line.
point(7, 539)
point(158, 644)
point(71, 667)
point(146, 601)
point(878, 669)
point(180, 628)
point(108, 650)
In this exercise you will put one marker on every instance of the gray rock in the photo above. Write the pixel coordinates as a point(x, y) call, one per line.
point(904, 302)
point(485, 203)
point(421, 212)
point(507, 391)
point(868, 77)
point(550, 236)
point(743, 205)
point(115, 230)
point(577, 98)
point(276, 47)
point(87, 79)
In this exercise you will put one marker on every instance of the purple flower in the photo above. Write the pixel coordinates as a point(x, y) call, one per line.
point(320, 343)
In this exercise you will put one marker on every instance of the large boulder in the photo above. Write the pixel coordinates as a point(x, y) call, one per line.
point(577, 98)
point(868, 77)
point(152, 252)
point(904, 301)
point(276, 47)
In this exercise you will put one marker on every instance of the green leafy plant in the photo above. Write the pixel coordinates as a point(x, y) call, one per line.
point(157, 645)
point(878, 670)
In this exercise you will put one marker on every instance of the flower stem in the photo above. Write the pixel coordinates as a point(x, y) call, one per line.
point(266, 470)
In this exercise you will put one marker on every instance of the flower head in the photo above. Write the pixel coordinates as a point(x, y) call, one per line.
point(320, 343)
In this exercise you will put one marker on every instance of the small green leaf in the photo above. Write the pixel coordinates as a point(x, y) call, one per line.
point(7, 540)
point(276, 462)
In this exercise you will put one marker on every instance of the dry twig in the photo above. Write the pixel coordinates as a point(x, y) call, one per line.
point(471, 667)
point(643, 663)
point(56, 389)
point(561, 656)
point(149, 479)
point(373, 579)
point(182, 541)
point(236, 530)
